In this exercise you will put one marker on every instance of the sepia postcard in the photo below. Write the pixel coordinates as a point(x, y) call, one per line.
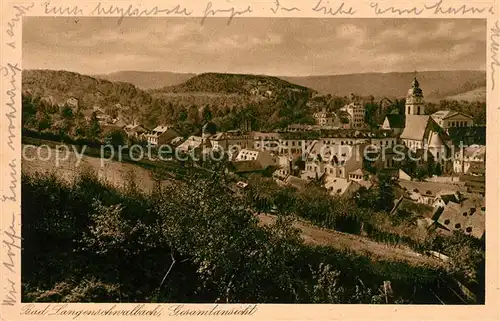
point(268, 160)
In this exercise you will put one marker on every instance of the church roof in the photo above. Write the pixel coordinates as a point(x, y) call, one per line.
point(435, 140)
point(415, 127)
point(395, 120)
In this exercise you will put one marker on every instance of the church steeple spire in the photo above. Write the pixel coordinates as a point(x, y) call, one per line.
point(415, 99)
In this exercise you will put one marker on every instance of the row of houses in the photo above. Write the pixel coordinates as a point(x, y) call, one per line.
point(353, 113)
point(446, 207)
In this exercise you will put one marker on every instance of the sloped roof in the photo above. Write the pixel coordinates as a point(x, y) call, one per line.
point(424, 187)
point(339, 185)
point(396, 120)
point(359, 171)
point(161, 129)
point(415, 208)
point(475, 150)
point(435, 140)
point(297, 182)
point(466, 215)
point(415, 127)
point(444, 114)
point(247, 166)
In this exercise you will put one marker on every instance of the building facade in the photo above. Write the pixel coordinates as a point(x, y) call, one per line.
point(356, 112)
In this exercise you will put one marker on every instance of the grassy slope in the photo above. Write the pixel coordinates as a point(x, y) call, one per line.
point(117, 173)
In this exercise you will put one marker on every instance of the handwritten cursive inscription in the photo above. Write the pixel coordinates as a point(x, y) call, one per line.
point(495, 46)
point(132, 11)
point(280, 7)
point(463, 9)
point(325, 8)
point(13, 183)
point(11, 243)
point(231, 11)
point(436, 8)
point(12, 71)
point(19, 11)
point(399, 11)
point(61, 10)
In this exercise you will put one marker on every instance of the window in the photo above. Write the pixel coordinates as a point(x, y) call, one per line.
point(469, 229)
point(339, 190)
point(446, 222)
point(408, 110)
point(457, 225)
point(465, 214)
point(483, 209)
point(418, 110)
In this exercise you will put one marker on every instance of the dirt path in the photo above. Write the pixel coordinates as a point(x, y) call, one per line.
point(361, 245)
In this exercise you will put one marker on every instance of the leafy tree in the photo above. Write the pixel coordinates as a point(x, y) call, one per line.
point(28, 111)
point(183, 115)
point(207, 114)
point(115, 137)
point(43, 119)
point(67, 112)
point(94, 128)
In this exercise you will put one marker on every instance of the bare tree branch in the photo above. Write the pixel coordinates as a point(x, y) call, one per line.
point(169, 269)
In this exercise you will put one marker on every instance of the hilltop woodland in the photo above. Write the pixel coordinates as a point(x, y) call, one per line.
point(196, 241)
point(223, 99)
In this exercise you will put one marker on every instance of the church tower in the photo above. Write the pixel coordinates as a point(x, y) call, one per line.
point(415, 100)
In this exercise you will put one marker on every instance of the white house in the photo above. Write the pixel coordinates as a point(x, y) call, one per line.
point(448, 118)
point(356, 112)
point(264, 158)
point(325, 118)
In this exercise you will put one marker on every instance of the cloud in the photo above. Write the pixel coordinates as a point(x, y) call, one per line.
point(254, 45)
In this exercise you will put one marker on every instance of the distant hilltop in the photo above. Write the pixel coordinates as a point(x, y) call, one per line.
point(236, 84)
point(467, 85)
point(436, 85)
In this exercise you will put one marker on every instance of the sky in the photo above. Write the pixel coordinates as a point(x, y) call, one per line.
point(280, 47)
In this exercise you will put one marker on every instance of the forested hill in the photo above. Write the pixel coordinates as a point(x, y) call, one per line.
point(56, 86)
point(222, 83)
point(266, 101)
point(436, 85)
point(467, 85)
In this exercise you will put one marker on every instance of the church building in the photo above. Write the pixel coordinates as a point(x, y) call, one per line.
point(421, 132)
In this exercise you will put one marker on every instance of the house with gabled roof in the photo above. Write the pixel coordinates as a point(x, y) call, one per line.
point(337, 186)
point(466, 217)
point(135, 130)
point(161, 135)
point(394, 122)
